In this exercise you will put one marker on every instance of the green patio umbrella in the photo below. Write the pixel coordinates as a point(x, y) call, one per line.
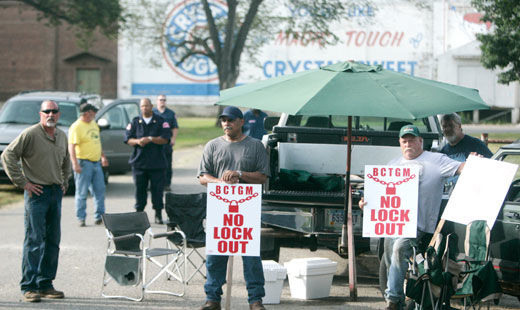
point(353, 89)
point(350, 88)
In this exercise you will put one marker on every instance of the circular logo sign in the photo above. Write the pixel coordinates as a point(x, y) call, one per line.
point(182, 24)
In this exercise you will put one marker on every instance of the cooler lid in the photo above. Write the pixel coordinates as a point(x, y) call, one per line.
point(311, 266)
point(273, 271)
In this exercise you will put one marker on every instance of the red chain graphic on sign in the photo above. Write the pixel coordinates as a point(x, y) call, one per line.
point(233, 204)
point(390, 190)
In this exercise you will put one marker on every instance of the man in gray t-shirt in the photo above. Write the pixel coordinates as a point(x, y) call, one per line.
point(233, 158)
point(433, 168)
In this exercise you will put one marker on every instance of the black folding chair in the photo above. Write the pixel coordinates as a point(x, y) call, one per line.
point(128, 253)
point(186, 213)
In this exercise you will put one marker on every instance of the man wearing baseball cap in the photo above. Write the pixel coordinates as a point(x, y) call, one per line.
point(233, 158)
point(433, 168)
point(87, 161)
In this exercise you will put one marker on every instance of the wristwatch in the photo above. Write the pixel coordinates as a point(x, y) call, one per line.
point(239, 174)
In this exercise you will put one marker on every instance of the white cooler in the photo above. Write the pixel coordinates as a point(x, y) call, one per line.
point(310, 278)
point(274, 275)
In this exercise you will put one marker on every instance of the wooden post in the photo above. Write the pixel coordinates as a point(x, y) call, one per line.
point(229, 286)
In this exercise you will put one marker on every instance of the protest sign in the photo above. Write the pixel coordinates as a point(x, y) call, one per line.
point(480, 191)
point(233, 219)
point(391, 193)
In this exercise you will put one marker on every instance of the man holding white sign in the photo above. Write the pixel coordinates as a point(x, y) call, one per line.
point(432, 169)
point(230, 159)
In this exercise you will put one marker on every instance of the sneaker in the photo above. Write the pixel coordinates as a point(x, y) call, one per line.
point(211, 305)
point(257, 305)
point(82, 223)
point(98, 222)
point(31, 296)
point(52, 293)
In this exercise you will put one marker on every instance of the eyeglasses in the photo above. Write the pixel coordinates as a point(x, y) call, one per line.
point(55, 111)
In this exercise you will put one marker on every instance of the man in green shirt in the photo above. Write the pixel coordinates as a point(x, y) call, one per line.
point(42, 150)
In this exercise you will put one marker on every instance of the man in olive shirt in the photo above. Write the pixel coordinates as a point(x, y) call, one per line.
point(42, 150)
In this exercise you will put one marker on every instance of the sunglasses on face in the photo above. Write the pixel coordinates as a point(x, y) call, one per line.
point(162, 99)
point(55, 111)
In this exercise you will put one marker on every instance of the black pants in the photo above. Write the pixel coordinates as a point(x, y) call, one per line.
point(143, 177)
point(168, 152)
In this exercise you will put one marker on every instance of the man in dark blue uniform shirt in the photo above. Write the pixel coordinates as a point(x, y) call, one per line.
point(169, 116)
point(254, 123)
point(459, 145)
point(147, 134)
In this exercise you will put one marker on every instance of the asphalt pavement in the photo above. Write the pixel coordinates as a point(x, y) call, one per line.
point(83, 251)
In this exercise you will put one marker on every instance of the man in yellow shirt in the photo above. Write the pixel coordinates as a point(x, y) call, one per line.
point(87, 161)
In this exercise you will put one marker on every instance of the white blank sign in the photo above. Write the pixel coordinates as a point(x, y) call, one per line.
point(480, 191)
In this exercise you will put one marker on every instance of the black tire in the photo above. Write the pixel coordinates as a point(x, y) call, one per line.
point(272, 254)
point(106, 174)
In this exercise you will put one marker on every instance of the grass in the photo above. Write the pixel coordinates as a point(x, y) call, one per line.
point(9, 194)
point(197, 131)
point(192, 132)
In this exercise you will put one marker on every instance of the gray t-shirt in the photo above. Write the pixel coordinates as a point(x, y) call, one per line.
point(433, 168)
point(220, 155)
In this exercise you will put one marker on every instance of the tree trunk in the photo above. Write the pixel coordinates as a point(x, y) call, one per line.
point(225, 81)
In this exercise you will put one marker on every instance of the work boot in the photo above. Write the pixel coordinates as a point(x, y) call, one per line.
point(392, 306)
point(211, 305)
point(31, 296)
point(158, 217)
point(257, 305)
point(52, 293)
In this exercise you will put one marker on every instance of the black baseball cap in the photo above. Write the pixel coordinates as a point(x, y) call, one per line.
point(232, 113)
point(84, 107)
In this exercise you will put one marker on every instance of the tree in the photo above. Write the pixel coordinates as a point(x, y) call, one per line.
point(241, 29)
point(501, 48)
point(86, 15)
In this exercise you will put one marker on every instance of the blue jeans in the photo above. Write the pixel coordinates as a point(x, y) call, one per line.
point(396, 255)
point(216, 268)
point(91, 177)
point(41, 245)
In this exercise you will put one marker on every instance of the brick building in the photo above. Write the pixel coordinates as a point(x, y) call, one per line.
point(36, 56)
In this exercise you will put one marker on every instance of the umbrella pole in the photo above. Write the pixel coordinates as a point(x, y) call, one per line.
point(347, 232)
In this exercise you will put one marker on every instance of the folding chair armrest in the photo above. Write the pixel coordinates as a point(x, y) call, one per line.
point(162, 235)
point(127, 237)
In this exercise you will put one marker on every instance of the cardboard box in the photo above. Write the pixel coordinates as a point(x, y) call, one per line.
point(310, 278)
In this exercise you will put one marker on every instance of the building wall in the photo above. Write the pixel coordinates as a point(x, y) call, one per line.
point(36, 56)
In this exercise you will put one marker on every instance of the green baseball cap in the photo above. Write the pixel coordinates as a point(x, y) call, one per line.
point(409, 130)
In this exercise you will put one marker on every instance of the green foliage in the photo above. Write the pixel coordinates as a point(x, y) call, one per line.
point(501, 48)
point(86, 15)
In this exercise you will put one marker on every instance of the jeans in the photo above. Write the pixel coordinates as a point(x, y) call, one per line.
point(41, 244)
point(91, 177)
point(155, 177)
point(396, 255)
point(216, 267)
